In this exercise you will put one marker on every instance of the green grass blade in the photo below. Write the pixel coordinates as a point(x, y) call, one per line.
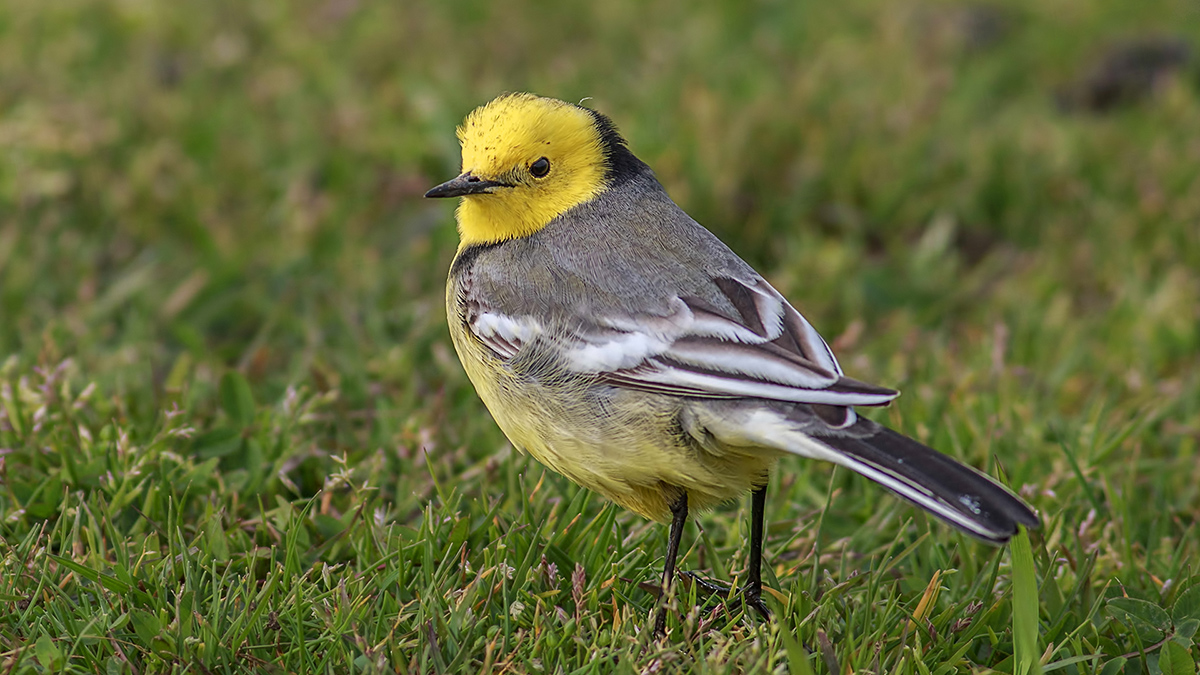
point(1026, 652)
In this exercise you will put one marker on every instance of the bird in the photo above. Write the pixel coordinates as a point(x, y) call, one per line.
point(624, 346)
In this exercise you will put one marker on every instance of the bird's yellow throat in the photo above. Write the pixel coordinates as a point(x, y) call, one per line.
point(509, 141)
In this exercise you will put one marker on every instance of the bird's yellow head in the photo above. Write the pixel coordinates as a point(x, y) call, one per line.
point(526, 160)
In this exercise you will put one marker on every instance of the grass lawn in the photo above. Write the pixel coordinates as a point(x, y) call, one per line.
point(234, 436)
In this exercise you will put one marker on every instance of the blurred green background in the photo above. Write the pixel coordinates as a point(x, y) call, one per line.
point(221, 293)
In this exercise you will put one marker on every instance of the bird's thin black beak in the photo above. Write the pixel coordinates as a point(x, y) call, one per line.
point(466, 184)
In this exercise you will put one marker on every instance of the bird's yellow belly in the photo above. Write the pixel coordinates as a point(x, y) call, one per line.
point(625, 444)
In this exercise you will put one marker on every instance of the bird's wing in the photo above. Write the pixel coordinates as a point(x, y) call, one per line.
point(769, 351)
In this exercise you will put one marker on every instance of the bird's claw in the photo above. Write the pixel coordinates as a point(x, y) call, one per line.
point(750, 594)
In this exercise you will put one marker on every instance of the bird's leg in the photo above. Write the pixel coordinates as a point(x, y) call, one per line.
point(679, 511)
point(752, 591)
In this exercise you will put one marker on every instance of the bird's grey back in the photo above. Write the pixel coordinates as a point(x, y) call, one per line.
point(627, 252)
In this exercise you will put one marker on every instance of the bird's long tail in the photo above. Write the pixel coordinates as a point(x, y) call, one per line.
point(956, 493)
point(950, 490)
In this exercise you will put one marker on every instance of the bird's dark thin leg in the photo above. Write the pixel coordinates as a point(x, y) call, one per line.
point(679, 512)
point(752, 591)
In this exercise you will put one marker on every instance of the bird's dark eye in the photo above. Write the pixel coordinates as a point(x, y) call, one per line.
point(540, 168)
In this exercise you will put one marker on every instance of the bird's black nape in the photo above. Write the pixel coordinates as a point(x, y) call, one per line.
point(621, 162)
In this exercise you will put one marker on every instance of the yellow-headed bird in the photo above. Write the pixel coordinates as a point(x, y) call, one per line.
point(624, 346)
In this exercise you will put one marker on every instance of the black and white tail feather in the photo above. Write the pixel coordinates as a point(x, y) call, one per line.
point(954, 492)
point(950, 490)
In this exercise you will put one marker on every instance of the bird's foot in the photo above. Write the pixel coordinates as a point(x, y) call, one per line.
point(751, 594)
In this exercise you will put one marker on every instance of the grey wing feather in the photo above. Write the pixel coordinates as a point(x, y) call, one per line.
point(770, 351)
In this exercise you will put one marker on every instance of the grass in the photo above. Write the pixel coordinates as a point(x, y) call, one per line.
point(233, 435)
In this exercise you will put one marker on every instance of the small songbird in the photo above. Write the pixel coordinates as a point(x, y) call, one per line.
point(624, 346)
